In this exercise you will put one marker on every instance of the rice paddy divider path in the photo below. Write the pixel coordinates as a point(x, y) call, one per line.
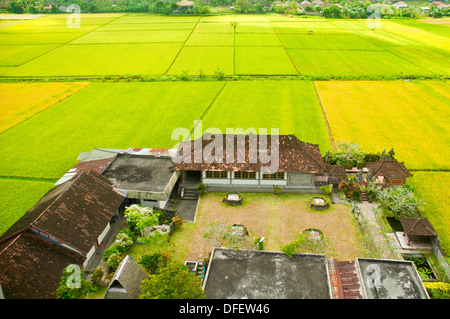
point(210, 105)
point(182, 47)
point(324, 114)
point(285, 50)
point(63, 44)
point(393, 53)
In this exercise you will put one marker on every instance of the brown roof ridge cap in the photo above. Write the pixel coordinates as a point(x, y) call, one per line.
point(72, 182)
point(62, 241)
point(324, 167)
point(17, 234)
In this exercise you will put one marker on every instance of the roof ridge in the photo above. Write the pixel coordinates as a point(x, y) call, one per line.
point(299, 142)
point(17, 234)
point(57, 198)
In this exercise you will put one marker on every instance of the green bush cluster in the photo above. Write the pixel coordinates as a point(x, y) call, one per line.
point(438, 290)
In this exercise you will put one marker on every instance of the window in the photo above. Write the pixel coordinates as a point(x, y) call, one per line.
point(216, 174)
point(279, 175)
point(245, 175)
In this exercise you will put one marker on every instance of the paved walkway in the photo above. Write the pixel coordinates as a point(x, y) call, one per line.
point(391, 250)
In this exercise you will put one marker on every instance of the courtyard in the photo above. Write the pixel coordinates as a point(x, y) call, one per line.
point(277, 218)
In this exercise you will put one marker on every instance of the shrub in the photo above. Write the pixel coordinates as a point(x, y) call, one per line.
point(201, 188)
point(177, 223)
point(138, 218)
point(400, 200)
point(154, 261)
point(438, 290)
point(110, 251)
point(123, 242)
point(114, 260)
point(325, 189)
point(96, 277)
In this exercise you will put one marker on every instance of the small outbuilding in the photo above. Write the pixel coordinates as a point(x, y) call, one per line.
point(127, 280)
point(417, 229)
point(388, 171)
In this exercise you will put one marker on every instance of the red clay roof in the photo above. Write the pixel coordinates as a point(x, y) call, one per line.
point(75, 212)
point(388, 168)
point(417, 226)
point(294, 155)
point(31, 268)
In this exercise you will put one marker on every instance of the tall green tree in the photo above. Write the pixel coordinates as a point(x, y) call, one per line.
point(172, 282)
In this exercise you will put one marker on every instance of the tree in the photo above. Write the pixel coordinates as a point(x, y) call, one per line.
point(400, 200)
point(221, 234)
point(349, 154)
point(307, 242)
point(73, 285)
point(139, 218)
point(172, 282)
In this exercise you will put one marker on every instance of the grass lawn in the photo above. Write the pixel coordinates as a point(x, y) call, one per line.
point(18, 196)
point(433, 188)
point(22, 100)
point(411, 117)
point(102, 59)
point(278, 218)
point(110, 115)
point(290, 106)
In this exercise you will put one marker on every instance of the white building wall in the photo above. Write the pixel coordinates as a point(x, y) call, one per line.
point(88, 256)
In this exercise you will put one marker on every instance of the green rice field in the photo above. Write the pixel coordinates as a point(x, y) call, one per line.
point(120, 44)
point(281, 72)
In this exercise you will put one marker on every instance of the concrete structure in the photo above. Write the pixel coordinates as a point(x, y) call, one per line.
point(390, 279)
point(259, 274)
point(143, 179)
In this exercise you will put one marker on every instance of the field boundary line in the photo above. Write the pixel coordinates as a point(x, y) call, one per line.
point(285, 49)
point(48, 107)
point(393, 53)
point(63, 44)
point(30, 179)
point(182, 47)
point(210, 104)
point(324, 114)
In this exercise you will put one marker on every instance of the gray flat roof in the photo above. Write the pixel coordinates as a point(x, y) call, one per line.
point(140, 172)
point(390, 279)
point(259, 274)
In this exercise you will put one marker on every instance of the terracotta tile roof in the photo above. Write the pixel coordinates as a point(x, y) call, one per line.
point(97, 166)
point(31, 268)
point(75, 212)
point(336, 170)
point(294, 155)
point(388, 168)
point(417, 226)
